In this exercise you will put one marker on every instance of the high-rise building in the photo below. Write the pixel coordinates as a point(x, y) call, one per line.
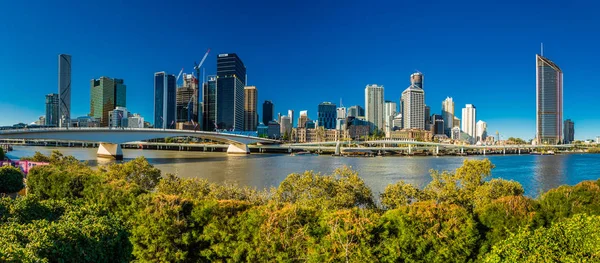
point(468, 120)
point(481, 131)
point(64, 90)
point(549, 101)
point(51, 118)
point(341, 113)
point(120, 92)
point(291, 115)
point(326, 115)
point(210, 104)
point(187, 99)
point(374, 112)
point(390, 110)
point(118, 117)
point(448, 114)
point(427, 117)
point(438, 124)
point(231, 80)
point(267, 112)
point(413, 100)
point(165, 100)
point(356, 111)
point(456, 122)
point(250, 111)
point(285, 127)
point(569, 131)
point(104, 94)
point(302, 119)
point(135, 121)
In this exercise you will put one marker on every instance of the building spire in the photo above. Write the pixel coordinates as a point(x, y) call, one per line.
point(542, 49)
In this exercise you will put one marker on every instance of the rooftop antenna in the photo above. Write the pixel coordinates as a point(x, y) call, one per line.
point(542, 51)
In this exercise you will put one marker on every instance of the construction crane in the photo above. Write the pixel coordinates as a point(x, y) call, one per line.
point(197, 68)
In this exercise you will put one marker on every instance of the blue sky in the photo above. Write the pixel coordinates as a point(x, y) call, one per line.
point(300, 53)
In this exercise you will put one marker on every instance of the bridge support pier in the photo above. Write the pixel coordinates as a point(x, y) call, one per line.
point(238, 149)
point(437, 150)
point(110, 150)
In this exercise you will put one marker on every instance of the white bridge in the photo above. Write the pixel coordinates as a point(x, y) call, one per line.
point(110, 139)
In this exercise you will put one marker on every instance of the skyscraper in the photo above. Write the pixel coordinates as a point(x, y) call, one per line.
point(51, 118)
point(291, 115)
point(438, 124)
point(302, 119)
point(448, 114)
point(231, 80)
point(187, 99)
point(427, 117)
point(549, 101)
point(413, 100)
point(569, 130)
point(64, 90)
point(481, 131)
point(210, 104)
point(390, 110)
point(374, 112)
point(356, 111)
point(250, 111)
point(165, 101)
point(120, 92)
point(468, 120)
point(105, 95)
point(326, 115)
point(267, 112)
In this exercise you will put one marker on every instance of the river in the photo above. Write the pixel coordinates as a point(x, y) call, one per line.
point(536, 173)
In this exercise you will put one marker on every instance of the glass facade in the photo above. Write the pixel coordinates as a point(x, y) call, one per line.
point(267, 111)
point(64, 89)
point(120, 93)
point(549, 101)
point(231, 80)
point(326, 115)
point(52, 110)
point(210, 103)
point(165, 100)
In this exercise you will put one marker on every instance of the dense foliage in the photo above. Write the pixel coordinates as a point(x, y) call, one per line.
point(11, 180)
point(130, 211)
point(2, 154)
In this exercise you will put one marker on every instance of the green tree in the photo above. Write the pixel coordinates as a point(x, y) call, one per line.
point(58, 182)
point(11, 180)
point(2, 155)
point(37, 157)
point(400, 194)
point(137, 171)
point(566, 201)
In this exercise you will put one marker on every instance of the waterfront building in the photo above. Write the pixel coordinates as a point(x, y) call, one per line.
point(262, 130)
point(41, 121)
point(250, 110)
point(118, 117)
point(64, 90)
point(356, 111)
point(267, 111)
point(412, 134)
point(105, 95)
point(397, 122)
point(231, 80)
point(569, 131)
point(390, 110)
point(310, 124)
point(455, 133)
point(302, 119)
point(51, 118)
point(374, 112)
point(481, 131)
point(340, 123)
point(209, 104)
point(448, 114)
point(438, 124)
point(187, 99)
point(274, 130)
point(456, 122)
point(468, 120)
point(549, 101)
point(135, 121)
point(326, 115)
point(285, 127)
point(413, 100)
point(291, 115)
point(165, 101)
point(428, 121)
point(85, 122)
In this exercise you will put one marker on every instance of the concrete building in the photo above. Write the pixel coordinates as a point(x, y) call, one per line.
point(549, 101)
point(274, 130)
point(569, 131)
point(448, 114)
point(135, 121)
point(469, 115)
point(341, 113)
point(231, 80)
point(397, 122)
point(356, 111)
point(267, 111)
point(285, 127)
point(291, 115)
point(64, 90)
point(455, 133)
point(85, 122)
point(302, 119)
point(374, 103)
point(390, 110)
point(456, 122)
point(413, 100)
point(118, 117)
point(481, 131)
point(326, 115)
point(412, 134)
point(51, 118)
point(250, 108)
point(187, 99)
point(165, 100)
point(105, 95)
point(41, 121)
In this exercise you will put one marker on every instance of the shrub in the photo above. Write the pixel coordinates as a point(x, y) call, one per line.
point(11, 179)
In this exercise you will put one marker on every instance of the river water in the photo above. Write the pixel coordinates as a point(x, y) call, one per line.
point(536, 173)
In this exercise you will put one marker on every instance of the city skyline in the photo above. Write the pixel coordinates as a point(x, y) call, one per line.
point(506, 96)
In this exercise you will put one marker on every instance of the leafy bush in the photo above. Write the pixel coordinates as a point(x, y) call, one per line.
point(11, 179)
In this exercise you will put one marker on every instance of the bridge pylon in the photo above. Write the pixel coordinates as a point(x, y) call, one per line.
point(238, 149)
point(110, 150)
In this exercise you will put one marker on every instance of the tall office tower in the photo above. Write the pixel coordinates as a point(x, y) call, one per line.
point(390, 110)
point(302, 119)
point(326, 115)
point(250, 111)
point(569, 131)
point(120, 92)
point(231, 80)
point(427, 117)
point(481, 131)
point(285, 126)
point(374, 106)
point(448, 114)
point(291, 115)
point(187, 99)
point(165, 100)
point(413, 100)
point(105, 95)
point(468, 120)
point(64, 90)
point(341, 113)
point(549, 101)
point(356, 111)
point(267, 112)
point(51, 118)
point(210, 104)
point(456, 122)
point(438, 124)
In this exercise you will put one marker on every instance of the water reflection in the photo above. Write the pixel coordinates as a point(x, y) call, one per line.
point(550, 172)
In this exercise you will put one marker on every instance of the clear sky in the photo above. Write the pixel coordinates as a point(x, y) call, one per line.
point(300, 53)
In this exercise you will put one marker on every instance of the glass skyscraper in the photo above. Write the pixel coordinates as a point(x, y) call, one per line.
point(64, 90)
point(231, 80)
point(165, 100)
point(106, 94)
point(327, 114)
point(549, 101)
point(267, 112)
point(52, 110)
point(210, 104)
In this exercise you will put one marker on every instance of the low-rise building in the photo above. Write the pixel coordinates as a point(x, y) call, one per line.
point(412, 134)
